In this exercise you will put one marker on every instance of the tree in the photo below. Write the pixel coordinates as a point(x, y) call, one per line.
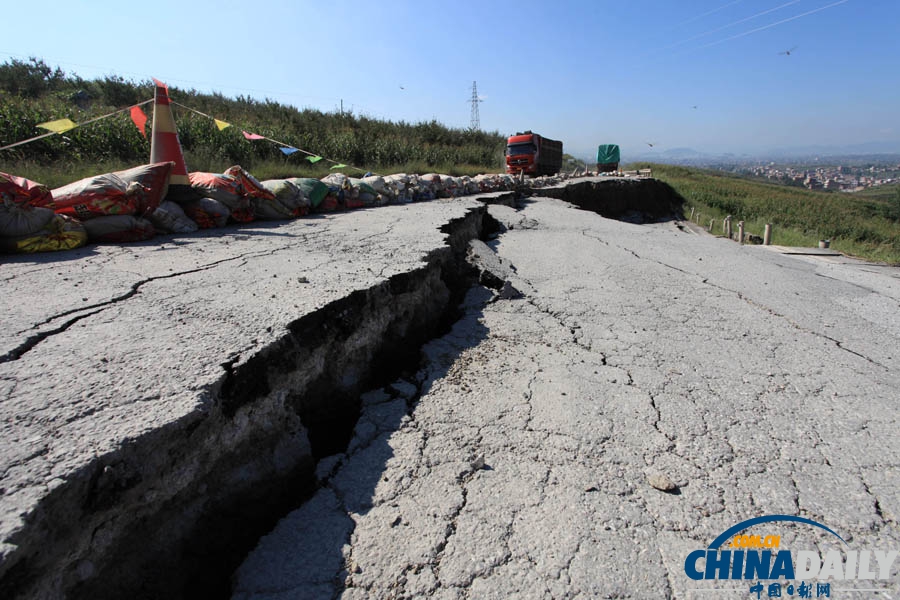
point(31, 78)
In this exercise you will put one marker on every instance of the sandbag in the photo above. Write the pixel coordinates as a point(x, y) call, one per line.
point(170, 218)
point(61, 233)
point(18, 219)
point(119, 228)
point(227, 189)
point(377, 183)
point(19, 190)
point(335, 180)
point(353, 202)
point(117, 193)
point(288, 197)
point(270, 210)
point(364, 192)
point(206, 212)
point(313, 189)
point(252, 186)
point(330, 203)
point(154, 178)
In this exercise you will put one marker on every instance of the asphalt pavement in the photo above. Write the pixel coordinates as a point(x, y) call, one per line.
point(635, 391)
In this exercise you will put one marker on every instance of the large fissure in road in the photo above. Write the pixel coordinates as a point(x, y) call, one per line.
point(633, 200)
point(175, 510)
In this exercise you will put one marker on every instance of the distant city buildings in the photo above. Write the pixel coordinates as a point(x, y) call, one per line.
point(835, 178)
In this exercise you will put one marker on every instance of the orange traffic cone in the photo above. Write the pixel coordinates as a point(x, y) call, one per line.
point(165, 147)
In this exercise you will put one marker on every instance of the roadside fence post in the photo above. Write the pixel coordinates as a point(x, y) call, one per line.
point(727, 226)
point(741, 232)
point(767, 236)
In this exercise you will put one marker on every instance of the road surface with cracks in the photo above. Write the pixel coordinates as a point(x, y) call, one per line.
point(525, 459)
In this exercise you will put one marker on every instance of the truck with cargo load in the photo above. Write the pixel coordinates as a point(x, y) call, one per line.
point(607, 158)
point(533, 154)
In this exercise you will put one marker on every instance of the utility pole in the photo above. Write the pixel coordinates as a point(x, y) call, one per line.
point(475, 121)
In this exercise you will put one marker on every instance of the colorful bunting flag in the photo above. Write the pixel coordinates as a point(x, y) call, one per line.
point(313, 159)
point(288, 151)
point(58, 126)
point(221, 124)
point(253, 136)
point(340, 166)
point(140, 120)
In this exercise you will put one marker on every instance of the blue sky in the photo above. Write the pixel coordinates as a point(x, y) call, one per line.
point(585, 72)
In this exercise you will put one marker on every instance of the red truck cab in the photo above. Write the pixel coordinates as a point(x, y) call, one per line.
point(533, 154)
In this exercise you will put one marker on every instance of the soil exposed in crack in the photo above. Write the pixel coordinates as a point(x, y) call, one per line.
point(176, 510)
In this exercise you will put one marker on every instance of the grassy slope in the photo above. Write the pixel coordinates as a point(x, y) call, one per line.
point(866, 225)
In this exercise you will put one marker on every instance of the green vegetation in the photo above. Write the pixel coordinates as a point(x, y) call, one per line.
point(31, 92)
point(865, 224)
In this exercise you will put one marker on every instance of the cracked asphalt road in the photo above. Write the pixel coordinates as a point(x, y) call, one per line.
point(105, 344)
point(518, 464)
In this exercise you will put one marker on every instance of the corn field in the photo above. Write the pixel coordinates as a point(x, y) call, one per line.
point(32, 93)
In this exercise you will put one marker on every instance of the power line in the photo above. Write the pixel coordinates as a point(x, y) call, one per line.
point(707, 13)
point(770, 25)
point(720, 28)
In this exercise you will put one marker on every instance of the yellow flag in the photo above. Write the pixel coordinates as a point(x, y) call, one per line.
point(58, 126)
point(221, 124)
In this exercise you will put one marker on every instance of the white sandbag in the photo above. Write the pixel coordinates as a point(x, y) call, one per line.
point(336, 180)
point(23, 219)
point(170, 218)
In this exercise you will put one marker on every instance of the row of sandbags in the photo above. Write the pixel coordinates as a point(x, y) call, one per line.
point(104, 208)
point(131, 205)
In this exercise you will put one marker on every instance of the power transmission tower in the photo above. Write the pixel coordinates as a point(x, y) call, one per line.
point(475, 122)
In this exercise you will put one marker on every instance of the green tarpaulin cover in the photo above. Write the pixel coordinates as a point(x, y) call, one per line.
point(608, 153)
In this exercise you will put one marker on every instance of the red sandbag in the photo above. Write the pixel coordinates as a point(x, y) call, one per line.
point(226, 189)
point(252, 186)
point(118, 193)
point(206, 212)
point(19, 190)
point(119, 228)
point(154, 178)
point(329, 203)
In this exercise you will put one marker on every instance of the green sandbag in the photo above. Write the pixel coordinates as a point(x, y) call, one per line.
point(363, 186)
point(313, 189)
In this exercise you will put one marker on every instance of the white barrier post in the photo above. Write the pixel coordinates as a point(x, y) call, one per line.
point(741, 232)
point(767, 236)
